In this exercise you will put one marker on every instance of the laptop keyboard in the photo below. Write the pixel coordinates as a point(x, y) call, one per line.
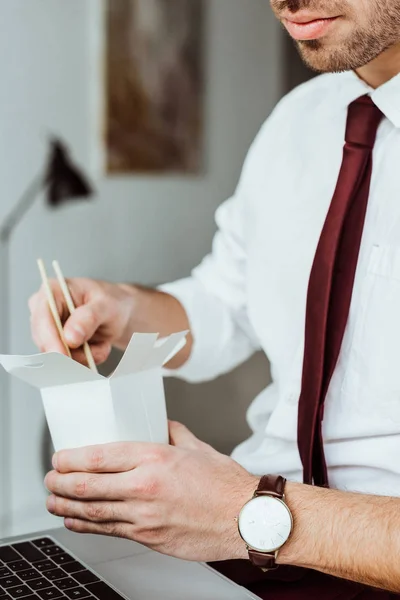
point(42, 570)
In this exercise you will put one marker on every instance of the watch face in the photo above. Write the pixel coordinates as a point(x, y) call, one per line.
point(265, 523)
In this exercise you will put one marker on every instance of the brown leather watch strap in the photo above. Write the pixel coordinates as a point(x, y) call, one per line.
point(270, 485)
point(264, 561)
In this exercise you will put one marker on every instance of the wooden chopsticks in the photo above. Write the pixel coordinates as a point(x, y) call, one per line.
point(70, 305)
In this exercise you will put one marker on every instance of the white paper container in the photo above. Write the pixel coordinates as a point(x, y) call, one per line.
point(84, 408)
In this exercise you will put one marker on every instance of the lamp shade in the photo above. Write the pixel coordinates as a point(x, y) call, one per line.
point(65, 180)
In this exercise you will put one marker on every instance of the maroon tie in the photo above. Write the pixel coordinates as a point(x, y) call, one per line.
point(331, 283)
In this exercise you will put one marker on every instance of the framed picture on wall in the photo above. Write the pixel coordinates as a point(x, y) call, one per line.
point(154, 84)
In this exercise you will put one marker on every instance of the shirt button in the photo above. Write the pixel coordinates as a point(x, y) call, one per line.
point(293, 398)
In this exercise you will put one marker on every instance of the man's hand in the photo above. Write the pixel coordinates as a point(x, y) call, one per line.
point(102, 316)
point(180, 500)
point(107, 315)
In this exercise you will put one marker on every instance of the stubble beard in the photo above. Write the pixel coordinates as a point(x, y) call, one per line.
point(354, 54)
point(360, 47)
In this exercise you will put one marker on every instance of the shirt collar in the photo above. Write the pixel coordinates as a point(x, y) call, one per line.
point(386, 97)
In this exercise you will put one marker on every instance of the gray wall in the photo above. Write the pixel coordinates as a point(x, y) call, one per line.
point(138, 229)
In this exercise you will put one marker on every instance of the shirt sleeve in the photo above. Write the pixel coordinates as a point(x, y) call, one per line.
point(215, 299)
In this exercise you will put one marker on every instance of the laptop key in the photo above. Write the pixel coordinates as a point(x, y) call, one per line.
point(45, 565)
point(4, 572)
point(73, 567)
point(19, 592)
point(51, 550)
point(2, 593)
point(103, 592)
point(78, 593)
point(39, 584)
point(65, 584)
point(20, 565)
point(50, 594)
point(85, 577)
point(8, 582)
point(54, 574)
point(28, 551)
point(28, 574)
point(7, 554)
point(43, 542)
point(60, 559)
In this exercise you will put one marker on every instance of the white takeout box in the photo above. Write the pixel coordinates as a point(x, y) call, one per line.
point(84, 408)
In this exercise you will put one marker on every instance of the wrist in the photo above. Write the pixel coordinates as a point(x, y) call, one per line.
point(238, 548)
point(299, 500)
point(153, 311)
point(130, 299)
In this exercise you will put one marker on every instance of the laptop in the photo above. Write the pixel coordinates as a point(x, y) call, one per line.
point(60, 565)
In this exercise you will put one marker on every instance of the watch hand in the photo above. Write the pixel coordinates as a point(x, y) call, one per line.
point(271, 524)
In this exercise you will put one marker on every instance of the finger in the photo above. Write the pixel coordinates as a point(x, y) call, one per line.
point(84, 486)
point(108, 458)
point(100, 351)
point(121, 530)
point(44, 331)
point(180, 435)
point(83, 323)
point(97, 512)
point(32, 302)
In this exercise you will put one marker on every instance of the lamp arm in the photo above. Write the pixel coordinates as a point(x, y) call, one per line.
point(21, 208)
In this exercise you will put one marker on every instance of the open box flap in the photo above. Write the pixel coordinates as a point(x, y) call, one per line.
point(165, 349)
point(47, 370)
point(145, 352)
point(136, 354)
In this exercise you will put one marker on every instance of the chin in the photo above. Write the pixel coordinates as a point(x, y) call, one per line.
point(335, 56)
point(324, 60)
point(334, 52)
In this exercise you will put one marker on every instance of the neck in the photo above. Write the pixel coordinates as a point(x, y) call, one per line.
point(382, 68)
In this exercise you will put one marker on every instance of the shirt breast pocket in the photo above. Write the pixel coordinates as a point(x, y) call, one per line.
point(373, 373)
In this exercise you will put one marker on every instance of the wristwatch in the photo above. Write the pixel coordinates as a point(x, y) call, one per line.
point(265, 522)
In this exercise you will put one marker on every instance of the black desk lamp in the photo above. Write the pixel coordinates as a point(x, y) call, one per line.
point(62, 181)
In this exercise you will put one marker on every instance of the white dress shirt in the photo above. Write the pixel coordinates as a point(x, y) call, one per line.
point(250, 292)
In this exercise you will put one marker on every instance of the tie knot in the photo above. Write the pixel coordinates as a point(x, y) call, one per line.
point(362, 122)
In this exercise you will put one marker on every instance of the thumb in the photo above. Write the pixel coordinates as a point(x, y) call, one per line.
point(82, 324)
point(180, 436)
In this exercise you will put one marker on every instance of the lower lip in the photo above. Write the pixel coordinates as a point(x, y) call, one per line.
point(309, 31)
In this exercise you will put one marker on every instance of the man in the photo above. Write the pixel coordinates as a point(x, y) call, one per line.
point(306, 266)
